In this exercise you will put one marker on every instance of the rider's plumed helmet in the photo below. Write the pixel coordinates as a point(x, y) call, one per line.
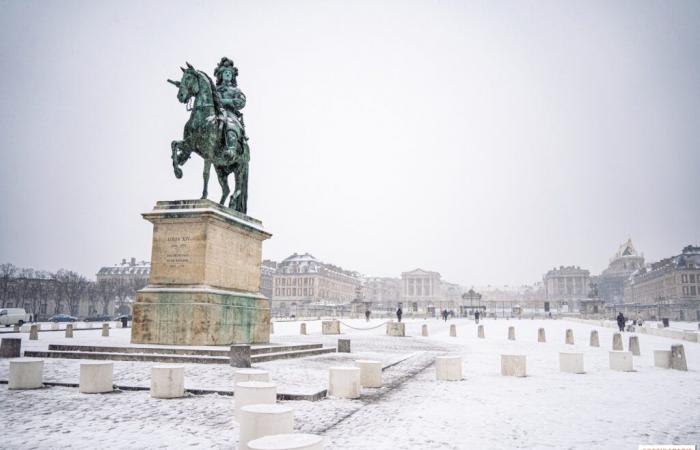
point(225, 64)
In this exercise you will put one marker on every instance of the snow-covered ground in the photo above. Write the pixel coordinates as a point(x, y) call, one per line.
point(547, 409)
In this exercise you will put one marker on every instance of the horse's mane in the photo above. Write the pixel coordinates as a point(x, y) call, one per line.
point(214, 93)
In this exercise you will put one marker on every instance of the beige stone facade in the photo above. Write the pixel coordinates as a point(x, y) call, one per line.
point(565, 287)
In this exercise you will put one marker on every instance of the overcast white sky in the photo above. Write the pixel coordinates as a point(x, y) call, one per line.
point(489, 141)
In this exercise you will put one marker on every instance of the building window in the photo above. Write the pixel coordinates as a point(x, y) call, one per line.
point(685, 290)
point(692, 290)
point(692, 278)
point(684, 278)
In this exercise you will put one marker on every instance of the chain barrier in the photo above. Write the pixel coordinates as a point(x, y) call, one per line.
point(362, 329)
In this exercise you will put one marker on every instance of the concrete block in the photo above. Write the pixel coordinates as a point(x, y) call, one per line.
point(167, 381)
point(678, 361)
point(96, 377)
point(480, 332)
point(448, 367)
point(15, 329)
point(105, 330)
point(571, 362)
point(343, 345)
point(633, 345)
point(569, 339)
point(257, 421)
point(513, 365)
point(330, 327)
point(26, 373)
point(25, 328)
point(511, 333)
point(396, 329)
point(424, 330)
point(370, 372)
point(11, 348)
point(621, 361)
point(541, 337)
point(253, 393)
point(662, 358)
point(617, 342)
point(302, 328)
point(595, 340)
point(34, 332)
point(691, 336)
point(295, 441)
point(69, 330)
point(344, 382)
point(243, 375)
point(240, 355)
point(55, 326)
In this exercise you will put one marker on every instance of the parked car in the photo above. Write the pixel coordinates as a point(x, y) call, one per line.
point(62, 318)
point(127, 316)
point(14, 316)
point(98, 319)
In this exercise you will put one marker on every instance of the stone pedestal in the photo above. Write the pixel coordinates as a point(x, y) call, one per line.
point(330, 327)
point(678, 361)
point(204, 285)
point(96, 378)
point(167, 381)
point(511, 333)
point(69, 330)
point(621, 361)
point(662, 358)
point(453, 330)
point(424, 330)
point(481, 333)
point(253, 393)
point(633, 345)
point(240, 355)
point(396, 329)
point(513, 365)
point(302, 328)
point(243, 375)
point(617, 342)
point(595, 341)
point(569, 339)
point(295, 441)
point(34, 333)
point(26, 373)
point(541, 337)
point(344, 382)
point(571, 362)
point(343, 345)
point(370, 372)
point(10, 348)
point(105, 330)
point(263, 420)
point(448, 367)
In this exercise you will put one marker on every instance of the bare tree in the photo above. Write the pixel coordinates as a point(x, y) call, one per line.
point(105, 291)
point(7, 275)
point(71, 287)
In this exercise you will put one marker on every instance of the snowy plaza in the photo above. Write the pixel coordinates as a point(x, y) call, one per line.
point(548, 408)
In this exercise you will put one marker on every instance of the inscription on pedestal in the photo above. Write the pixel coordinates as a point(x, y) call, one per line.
point(177, 252)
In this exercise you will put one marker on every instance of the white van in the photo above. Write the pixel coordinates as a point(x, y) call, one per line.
point(13, 316)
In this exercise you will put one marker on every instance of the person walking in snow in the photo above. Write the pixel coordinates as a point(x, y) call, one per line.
point(476, 317)
point(621, 321)
point(367, 313)
point(399, 313)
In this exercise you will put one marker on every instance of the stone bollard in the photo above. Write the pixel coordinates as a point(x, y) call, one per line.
point(264, 420)
point(243, 375)
point(571, 362)
point(424, 330)
point(69, 330)
point(370, 372)
point(344, 382)
point(11, 348)
point(662, 358)
point(678, 361)
point(448, 367)
point(105, 330)
point(253, 393)
point(96, 377)
point(26, 373)
point(25, 328)
point(541, 336)
point(295, 441)
point(633, 345)
point(594, 342)
point(119, 325)
point(481, 332)
point(396, 329)
point(511, 333)
point(453, 330)
point(15, 328)
point(34, 333)
point(55, 327)
point(167, 381)
point(302, 328)
point(343, 345)
point(330, 327)
point(569, 336)
point(240, 355)
point(513, 365)
point(617, 342)
point(621, 361)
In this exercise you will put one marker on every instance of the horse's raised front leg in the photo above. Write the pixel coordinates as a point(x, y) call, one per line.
point(223, 181)
point(175, 147)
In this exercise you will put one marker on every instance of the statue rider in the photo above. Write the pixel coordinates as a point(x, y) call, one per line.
point(232, 100)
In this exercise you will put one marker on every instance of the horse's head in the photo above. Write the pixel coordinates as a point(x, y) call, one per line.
point(188, 86)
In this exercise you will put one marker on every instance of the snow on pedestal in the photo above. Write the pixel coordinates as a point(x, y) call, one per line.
point(453, 330)
point(344, 382)
point(541, 336)
point(243, 375)
point(257, 421)
point(302, 328)
point(633, 345)
point(513, 365)
point(662, 358)
point(252, 393)
point(424, 330)
point(105, 330)
point(26, 373)
point(480, 332)
point(511, 333)
point(617, 342)
point(396, 329)
point(96, 377)
point(594, 341)
point(370, 372)
point(569, 336)
point(167, 381)
point(69, 330)
point(678, 361)
point(34, 333)
point(621, 361)
point(330, 327)
point(571, 362)
point(296, 441)
point(448, 367)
